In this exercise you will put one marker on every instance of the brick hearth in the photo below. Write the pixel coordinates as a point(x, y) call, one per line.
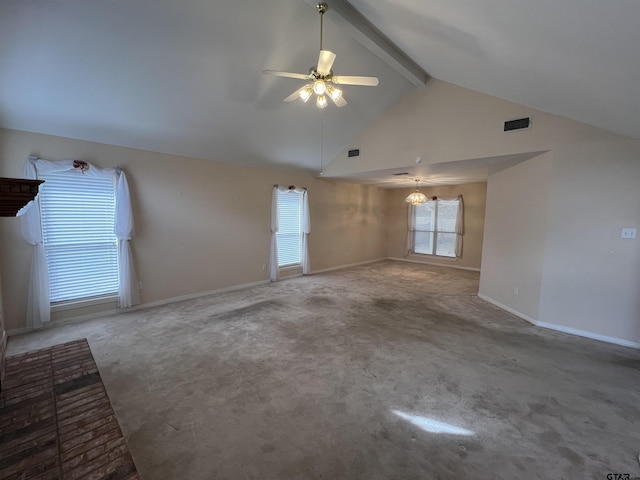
point(56, 420)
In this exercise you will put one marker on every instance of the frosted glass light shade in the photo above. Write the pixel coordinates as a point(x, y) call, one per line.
point(334, 92)
point(321, 102)
point(319, 87)
point(305, 94)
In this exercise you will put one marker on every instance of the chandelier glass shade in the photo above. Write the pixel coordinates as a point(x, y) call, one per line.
point(416, 198)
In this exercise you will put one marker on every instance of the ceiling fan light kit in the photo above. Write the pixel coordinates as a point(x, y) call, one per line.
point(322, 78)
point(321, 102)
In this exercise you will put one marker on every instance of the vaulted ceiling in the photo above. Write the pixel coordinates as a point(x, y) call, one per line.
point(186, 77)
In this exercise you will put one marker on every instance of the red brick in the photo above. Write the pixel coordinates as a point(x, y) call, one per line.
point(91, 437)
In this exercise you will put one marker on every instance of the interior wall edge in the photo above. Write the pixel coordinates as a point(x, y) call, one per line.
point(506, 308)
point(560, 328)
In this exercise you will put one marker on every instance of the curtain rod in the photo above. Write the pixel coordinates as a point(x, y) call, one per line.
point(276, 185)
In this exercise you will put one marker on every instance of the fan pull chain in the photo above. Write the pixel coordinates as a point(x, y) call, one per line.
point(321, 141)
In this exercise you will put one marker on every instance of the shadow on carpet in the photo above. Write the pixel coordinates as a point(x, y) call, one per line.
point(56, 420)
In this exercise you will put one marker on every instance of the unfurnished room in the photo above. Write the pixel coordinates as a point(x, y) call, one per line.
point(301, 240)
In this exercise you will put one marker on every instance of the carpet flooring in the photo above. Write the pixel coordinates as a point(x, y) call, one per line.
point(383, 371)
point(56, 419)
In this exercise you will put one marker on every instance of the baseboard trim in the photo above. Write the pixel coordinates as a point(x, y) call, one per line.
point(120, 311)
point(192, 296)
point(409, 260)
point(19, 331)
point(349, 265)
point(166, 301)
point(504, 307)
point(562, 328)
point(591, 335)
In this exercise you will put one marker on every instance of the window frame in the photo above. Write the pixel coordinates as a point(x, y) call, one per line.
point(436, 230)
point(299, 233)
point(110, 241)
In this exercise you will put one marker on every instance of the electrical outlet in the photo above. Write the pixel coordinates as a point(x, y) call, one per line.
point(629, 233)
point(139, 285)
point(264, 266)
point(516, 291)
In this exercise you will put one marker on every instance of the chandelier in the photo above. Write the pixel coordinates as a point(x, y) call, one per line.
point(416, 198)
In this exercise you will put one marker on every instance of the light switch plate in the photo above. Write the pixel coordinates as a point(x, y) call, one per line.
point(629, 233)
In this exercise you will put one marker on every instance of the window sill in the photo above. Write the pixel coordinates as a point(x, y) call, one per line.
point(84, 302)
point(290, 267)
point(425, 256)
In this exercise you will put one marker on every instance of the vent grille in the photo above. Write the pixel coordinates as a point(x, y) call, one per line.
point(355, 152)
point(517, 124)
point(398, 174)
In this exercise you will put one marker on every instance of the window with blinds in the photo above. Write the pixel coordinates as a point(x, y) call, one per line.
point(78, 214)
point(435, 232)
point(289, 228)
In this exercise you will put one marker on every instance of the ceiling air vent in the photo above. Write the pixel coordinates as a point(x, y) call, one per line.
point(355, 152)
point(517, 124)
point(398, 174)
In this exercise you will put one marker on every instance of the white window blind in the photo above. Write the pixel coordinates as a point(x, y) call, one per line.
point(78, 214)
point(435, 232)
point(289, 228)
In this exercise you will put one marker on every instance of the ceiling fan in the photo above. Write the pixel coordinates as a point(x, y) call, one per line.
point(321, 78)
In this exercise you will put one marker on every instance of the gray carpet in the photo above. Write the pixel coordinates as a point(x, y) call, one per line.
point(385, 371)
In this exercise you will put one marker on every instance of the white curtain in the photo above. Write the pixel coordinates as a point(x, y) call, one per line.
point(306, 230)
point(411, 228)
point(274, 271)
point(38, 306)
point(38, 309)
point(128, 294)
point(459, 226)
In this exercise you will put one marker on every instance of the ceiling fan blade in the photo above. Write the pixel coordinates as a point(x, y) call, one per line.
point(294, 96)
point(299, 76)
point(325, 62)
point(340, 102)
point(351, 80)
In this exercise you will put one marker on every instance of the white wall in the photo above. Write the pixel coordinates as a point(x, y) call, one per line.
point(572, 268)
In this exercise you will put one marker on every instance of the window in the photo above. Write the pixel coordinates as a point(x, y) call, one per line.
point(289, 228)
point(435, 228)
point(78, 213)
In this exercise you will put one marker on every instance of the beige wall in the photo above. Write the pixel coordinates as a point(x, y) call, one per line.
point(200, 225)
point(473, 195)
point(515, 235)
point(591, 277)
point(578, 274)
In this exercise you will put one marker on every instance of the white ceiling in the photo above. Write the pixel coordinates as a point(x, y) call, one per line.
point(185, 77)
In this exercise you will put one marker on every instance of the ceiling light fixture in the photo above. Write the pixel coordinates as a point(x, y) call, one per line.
point(334, 93)
point(305, 93)
point(319, 87)
point(416, 198)
point(321, 76)
point(321, 102)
